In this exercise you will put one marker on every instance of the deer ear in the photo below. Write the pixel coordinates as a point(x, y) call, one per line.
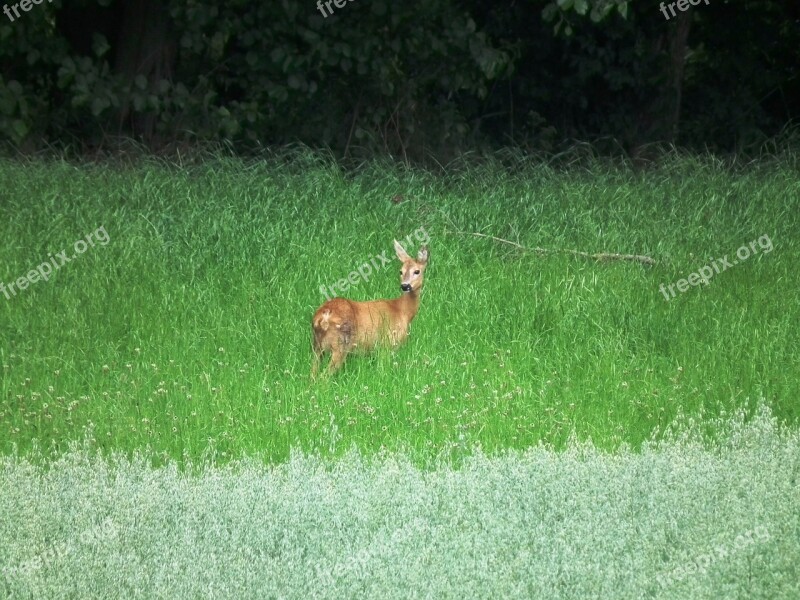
point(401, 252)
point(422, 255)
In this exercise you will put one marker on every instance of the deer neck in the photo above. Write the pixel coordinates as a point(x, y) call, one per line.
point(409, 303)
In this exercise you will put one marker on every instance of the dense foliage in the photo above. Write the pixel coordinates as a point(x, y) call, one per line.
point(410, 79)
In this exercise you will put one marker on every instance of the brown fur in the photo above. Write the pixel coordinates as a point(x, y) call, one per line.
point(342, 326)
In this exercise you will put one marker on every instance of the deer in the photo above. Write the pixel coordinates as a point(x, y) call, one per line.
point(341, 326)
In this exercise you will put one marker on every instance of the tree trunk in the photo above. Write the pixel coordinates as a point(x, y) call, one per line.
point(659, 121)
point(674, 90)
point(144, 48)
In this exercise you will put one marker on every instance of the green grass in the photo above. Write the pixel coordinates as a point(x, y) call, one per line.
point(189, 332)
point(676, 519)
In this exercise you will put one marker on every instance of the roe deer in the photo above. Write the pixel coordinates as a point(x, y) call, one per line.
point(341, 325)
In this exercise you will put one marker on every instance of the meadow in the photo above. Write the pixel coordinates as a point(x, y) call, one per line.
point(673, 520)
point(172, 352)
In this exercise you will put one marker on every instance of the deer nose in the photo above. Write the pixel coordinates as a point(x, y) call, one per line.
point(406, 287)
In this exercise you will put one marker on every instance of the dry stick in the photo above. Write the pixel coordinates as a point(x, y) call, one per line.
point(645, 260)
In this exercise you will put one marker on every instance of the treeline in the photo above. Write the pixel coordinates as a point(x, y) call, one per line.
point(415, 80)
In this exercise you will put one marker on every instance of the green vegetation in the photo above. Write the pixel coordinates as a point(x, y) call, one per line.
point(675, 520)
point(189, 332)
point(424, 82)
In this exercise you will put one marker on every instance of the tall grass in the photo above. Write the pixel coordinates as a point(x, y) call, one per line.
point(189, 332)
point(679, 519)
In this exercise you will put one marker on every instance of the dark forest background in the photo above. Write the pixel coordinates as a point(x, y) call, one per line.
point(415, 80)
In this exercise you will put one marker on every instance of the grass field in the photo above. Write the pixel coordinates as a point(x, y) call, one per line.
point(180, 332)
point(189, 330)
point(674, 520)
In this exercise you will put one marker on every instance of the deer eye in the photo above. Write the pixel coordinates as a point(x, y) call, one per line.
point(416, 272)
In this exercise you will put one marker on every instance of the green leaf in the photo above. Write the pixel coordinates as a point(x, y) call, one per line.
point(378, 7)
point(277, 55)
point(295, 81)
point(99, 44)
point(99, 104)
point(19, 128)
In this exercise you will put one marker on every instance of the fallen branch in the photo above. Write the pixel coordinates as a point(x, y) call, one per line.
point(600, 256)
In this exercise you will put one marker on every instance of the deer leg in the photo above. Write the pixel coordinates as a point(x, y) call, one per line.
point(316, 349)
point(337, 359)
point(315, 363)
point(320, 344)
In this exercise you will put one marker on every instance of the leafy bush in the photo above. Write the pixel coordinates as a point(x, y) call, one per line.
point(401, 79)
